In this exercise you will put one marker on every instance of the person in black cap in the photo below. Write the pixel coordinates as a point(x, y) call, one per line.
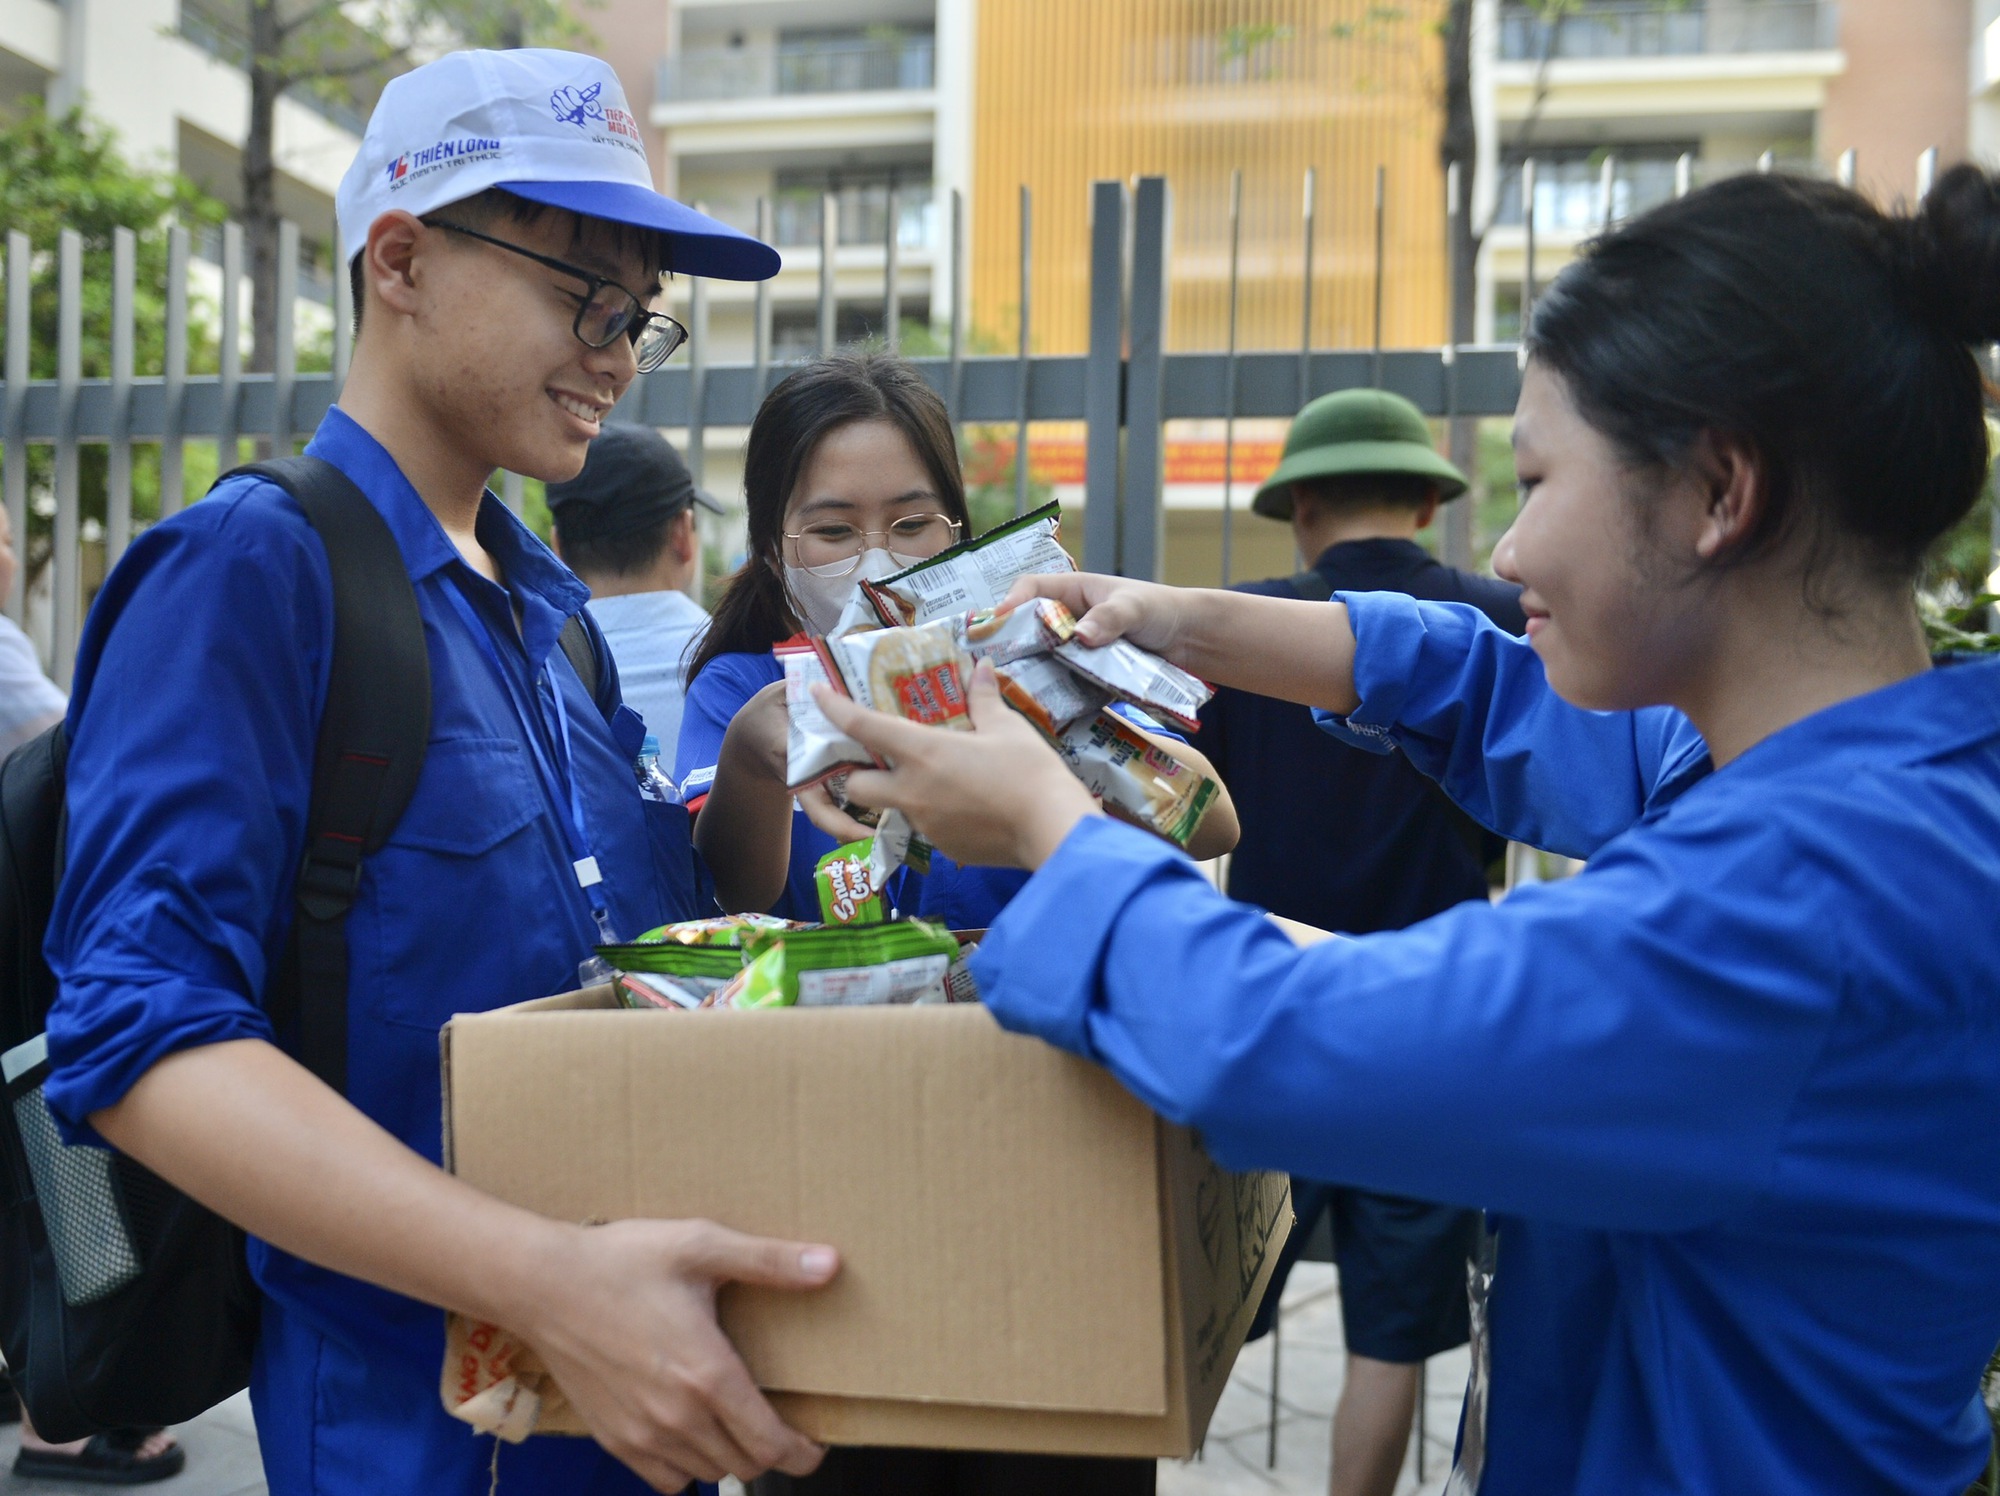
point(626, 526)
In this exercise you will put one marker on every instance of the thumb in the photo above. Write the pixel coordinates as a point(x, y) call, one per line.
point(988, 706)
point(732, 1257)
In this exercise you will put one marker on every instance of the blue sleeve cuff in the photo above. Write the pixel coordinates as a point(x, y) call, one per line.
point(1388, 637)
point(1038, 969)
point(92, 1068)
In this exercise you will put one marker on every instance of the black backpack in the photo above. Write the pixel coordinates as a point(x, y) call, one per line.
point(123, 1303)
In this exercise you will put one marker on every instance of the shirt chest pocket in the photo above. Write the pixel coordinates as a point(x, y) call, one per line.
point(473, 794)
point(460, 901)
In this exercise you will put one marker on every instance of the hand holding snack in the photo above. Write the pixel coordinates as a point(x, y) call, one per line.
point(998, 796)
point(1149, 614)
point(759, 731)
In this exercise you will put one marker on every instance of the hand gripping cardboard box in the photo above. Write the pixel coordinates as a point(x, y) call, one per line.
point(1031, 1259)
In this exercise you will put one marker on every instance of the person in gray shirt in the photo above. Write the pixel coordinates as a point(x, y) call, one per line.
point(626, 526)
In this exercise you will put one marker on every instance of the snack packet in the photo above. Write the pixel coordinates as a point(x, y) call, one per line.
point(1048, 693)
point(1136, 780)
point(849, 892)
point(722, 929)
point(814, 747)
point(975, 574)
point(846, 966)
point(648, 991)
point(1140, 677)
point(921, 674)
point(668, 973)
point(959, 986)
point(1034, 628)
point(896, 843)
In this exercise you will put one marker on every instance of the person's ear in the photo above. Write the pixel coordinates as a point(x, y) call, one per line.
point(684, 536)
point(1427, 510)
point(390, 261)
point(1733, 490)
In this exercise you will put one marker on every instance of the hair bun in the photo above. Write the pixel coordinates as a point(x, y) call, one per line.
point(1956, 238)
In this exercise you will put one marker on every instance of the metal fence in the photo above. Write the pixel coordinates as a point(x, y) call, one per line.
point(1125, 387)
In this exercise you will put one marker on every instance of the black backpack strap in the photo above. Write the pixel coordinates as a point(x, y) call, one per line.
point(369, 754)
point(575, 642)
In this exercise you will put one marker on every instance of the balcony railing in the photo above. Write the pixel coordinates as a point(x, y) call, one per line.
point(1667, 29)
point(862, 216)
point(820, 65)
point(1569, 194)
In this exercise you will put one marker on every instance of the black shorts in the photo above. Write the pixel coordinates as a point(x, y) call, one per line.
point(1402, 1269)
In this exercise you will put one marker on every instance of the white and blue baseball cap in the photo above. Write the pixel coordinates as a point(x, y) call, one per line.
point(552, 127)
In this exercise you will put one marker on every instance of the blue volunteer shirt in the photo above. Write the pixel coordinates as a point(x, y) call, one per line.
point(198, 694)
point(1729, 1091)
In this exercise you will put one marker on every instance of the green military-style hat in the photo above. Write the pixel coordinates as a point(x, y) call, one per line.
point(1353, 432)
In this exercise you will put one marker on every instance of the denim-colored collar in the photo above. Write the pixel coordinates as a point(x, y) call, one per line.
point(528, 565)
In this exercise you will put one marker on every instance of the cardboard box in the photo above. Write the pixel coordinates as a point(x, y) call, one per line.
point(1031, 1259)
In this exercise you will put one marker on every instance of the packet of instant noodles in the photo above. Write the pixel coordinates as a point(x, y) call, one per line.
point(1048, 693)
point(1140, 677)
point(846, 966)
point(921, 674)
point(814, 747)
point(975, 574)
point(1135, 779)
point(849, 893)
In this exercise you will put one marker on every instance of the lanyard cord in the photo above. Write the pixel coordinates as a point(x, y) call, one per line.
point(558, 776)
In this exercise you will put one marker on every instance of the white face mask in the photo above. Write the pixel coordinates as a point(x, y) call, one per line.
point(819, 601)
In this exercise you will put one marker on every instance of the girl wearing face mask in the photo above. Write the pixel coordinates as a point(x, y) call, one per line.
point(851, 472)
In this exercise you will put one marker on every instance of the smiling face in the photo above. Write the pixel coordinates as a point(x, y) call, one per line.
point(1614, 609)
point(864, 476)
point(502, 376)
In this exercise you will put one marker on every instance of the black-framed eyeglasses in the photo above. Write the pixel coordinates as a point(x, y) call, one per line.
point(606, 311)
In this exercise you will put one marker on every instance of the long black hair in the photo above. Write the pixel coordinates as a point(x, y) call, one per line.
point(808, 405)
point(1796, 317)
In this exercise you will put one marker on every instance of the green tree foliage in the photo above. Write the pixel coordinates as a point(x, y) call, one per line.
point(344, 54)
point(59, 172)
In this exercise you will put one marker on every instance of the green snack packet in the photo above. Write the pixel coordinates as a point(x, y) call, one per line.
point(846, 887)
point(722, 929)
point(718, 962)
point(847, 966)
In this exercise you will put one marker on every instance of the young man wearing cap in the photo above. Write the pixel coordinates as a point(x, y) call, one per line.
point(506, 242)
point(1356, 842)
point(626, 526)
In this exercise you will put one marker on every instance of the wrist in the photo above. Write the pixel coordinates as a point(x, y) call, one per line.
point(525, 1275)
point(1050, 824)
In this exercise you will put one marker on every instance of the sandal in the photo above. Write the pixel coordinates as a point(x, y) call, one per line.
point(110, 1459)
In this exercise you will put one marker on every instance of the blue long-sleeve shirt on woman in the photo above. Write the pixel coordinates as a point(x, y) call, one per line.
point(1729, 1091)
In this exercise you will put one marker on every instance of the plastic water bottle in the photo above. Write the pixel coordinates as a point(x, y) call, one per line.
point(654, 784)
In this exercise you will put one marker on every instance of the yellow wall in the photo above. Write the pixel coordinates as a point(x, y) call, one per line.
point(1072, 91)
